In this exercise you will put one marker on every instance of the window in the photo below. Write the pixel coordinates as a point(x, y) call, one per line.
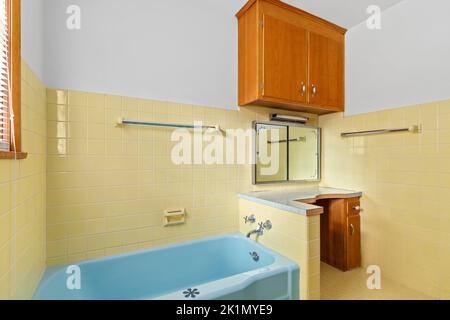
point(4, 79)
point(10, 80)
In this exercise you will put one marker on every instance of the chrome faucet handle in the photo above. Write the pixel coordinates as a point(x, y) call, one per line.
point(267, 225)
point(250, 219)
point(259, 231)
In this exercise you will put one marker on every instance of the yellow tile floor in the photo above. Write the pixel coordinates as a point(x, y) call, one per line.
point(351, 285)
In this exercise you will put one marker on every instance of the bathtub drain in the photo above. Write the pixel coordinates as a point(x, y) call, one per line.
point(254, 255)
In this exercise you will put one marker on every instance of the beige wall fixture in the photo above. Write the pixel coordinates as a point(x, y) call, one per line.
point(174, 217)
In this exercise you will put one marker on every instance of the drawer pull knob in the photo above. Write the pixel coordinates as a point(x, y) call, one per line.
point(352, 229)
point(314, 90)
point(302, 89)
point(357, 208)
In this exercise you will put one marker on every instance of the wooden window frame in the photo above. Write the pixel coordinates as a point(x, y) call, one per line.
point(16, 80)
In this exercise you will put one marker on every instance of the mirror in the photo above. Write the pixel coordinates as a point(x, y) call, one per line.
point(268, 149)
point(286, 152)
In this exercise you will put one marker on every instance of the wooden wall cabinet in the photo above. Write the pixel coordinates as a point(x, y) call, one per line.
point(340, 233)
point(289, 59)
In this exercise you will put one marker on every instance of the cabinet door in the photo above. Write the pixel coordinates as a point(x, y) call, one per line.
point(337, 221)
point(326, 85)
point(353, 242)
point(284, 60)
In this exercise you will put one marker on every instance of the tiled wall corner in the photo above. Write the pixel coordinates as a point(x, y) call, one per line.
point(405, 179)
point(295, 236)
point(23, 197)
point(108, 186)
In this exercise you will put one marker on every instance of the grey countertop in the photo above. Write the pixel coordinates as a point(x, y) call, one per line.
point(290, 200)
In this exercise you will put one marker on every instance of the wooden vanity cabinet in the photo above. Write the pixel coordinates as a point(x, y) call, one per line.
point(340, 233)
point(289, 59)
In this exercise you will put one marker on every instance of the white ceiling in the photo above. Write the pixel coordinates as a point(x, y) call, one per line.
point(345, 13)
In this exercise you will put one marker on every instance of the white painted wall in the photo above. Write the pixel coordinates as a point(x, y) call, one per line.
point(33, 34)
point(182, 51)
point(175, 50)
point(407, 62)
point(186, 51)
point(345, 13)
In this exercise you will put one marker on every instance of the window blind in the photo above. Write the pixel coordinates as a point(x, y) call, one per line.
point(5, 97)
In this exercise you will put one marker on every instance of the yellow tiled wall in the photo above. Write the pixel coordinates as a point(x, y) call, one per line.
point(108, 186)
point(295, 236)
point(22, 198)
point(406, 183)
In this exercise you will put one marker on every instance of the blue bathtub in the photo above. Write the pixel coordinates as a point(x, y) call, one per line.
point(227, 267)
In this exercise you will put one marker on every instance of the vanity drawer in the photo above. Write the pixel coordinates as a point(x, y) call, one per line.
point(353, 207)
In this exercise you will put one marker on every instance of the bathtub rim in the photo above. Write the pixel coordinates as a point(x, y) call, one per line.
point(240, 281)
point(214, 289)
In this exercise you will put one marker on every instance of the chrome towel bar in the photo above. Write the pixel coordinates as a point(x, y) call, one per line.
point(412, 129)
point(299, 139)
point(122, 122)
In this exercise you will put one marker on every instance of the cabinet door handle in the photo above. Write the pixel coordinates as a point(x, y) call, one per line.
point(352, 229)
point(357, 208)
point(302, 89)
point(314, 90)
